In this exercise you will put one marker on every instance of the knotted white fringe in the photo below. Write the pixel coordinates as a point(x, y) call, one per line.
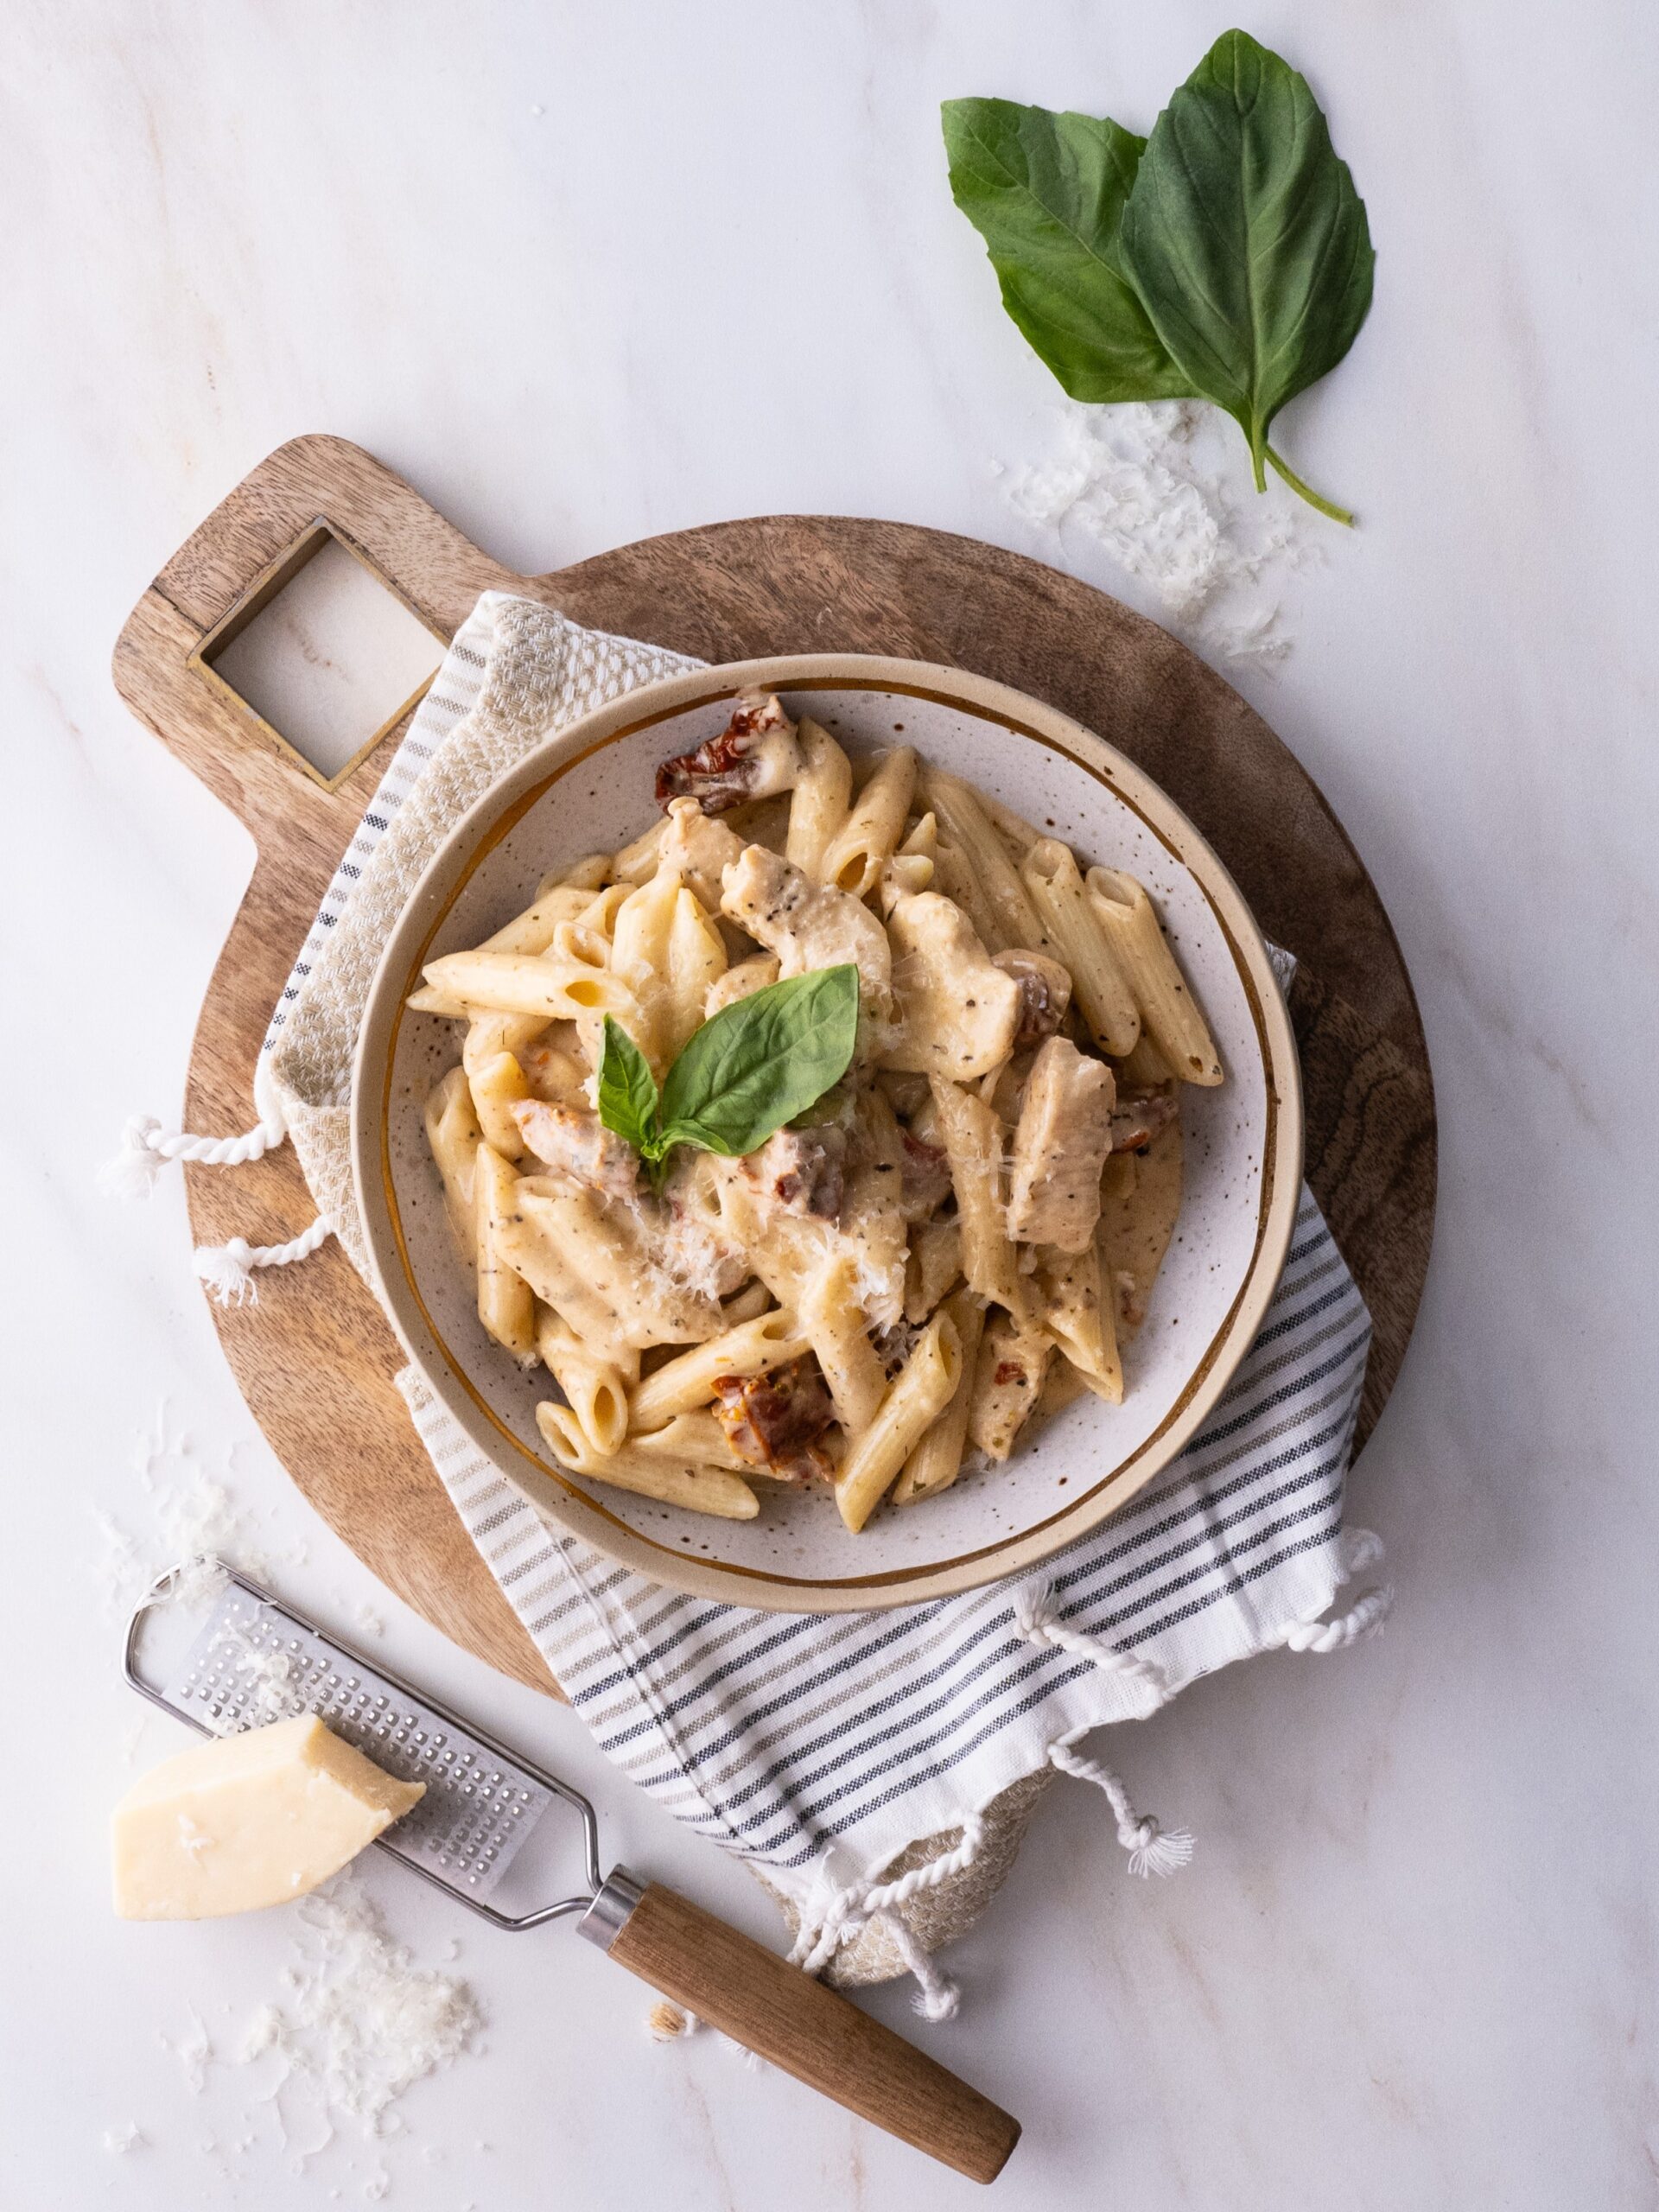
point(1359, 1548)
point(227, 1270)
point(848, 1911)
point(1152, 1850)
point(147, 1148)
point(1037, 1617)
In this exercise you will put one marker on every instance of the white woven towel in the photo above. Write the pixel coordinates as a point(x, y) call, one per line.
point(821, 1748)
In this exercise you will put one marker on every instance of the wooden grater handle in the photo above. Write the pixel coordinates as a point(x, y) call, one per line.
point(783, 2015)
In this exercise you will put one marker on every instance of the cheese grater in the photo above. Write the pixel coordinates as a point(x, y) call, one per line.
point(255, 1660)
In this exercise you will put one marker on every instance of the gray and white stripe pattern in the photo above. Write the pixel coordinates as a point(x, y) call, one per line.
point(776, 1734)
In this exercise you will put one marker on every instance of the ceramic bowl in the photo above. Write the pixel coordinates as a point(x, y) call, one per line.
point(589, 788)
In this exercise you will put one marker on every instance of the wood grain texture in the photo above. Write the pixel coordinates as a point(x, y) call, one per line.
point(314, 1358)
point(771, 2007)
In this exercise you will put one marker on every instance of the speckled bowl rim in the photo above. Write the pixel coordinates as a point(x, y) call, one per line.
point(560, 1496)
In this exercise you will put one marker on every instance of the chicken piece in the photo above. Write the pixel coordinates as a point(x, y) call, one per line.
point(957, 1012)
point(1044, 994)
point(774, 1420)
point(801, 1171)
point(576, 1145)
point(698, 848)
point(754, 756)
point(1060, 1145)
point(741, 982)
point(808, 925)
point(1137, 1121)
point(551, 1067)
point(1007, 1382)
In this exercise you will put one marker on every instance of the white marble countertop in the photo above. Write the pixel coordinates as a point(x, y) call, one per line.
point(584, 274)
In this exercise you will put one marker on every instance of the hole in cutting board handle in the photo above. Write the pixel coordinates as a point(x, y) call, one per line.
point(324, 654)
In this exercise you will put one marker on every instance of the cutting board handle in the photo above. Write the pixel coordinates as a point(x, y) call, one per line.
point(237, 560)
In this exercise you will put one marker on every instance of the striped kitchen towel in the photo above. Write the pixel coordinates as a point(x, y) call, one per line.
point(858, 1761)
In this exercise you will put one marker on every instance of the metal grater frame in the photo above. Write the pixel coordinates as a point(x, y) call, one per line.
point(255, 1660)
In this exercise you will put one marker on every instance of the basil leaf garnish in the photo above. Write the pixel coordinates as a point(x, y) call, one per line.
point(627, 1090)
point(1047, 193)
point(1227, 257)
point(761, 1061)
point(1247, 241)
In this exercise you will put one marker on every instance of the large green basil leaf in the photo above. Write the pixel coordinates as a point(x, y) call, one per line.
point(627, 1090)
point(761, 1061)
point(1246, 240)
point(1046, 192)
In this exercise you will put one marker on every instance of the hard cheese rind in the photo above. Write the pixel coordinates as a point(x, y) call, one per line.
point(248, 1821)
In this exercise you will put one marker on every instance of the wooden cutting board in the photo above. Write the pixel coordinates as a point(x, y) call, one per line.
point(314, 1358)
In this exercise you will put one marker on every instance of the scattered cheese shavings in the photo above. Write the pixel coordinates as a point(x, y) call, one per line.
point(195, 2051)
point(119, 2140)
point(366, 2022)
point(1158, 487)
point(190, 1513)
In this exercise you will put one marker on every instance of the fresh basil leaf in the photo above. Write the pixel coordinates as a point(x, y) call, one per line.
point(761, 1061)
point(627, 1091)
point(1046, 192)
point(1247, 242)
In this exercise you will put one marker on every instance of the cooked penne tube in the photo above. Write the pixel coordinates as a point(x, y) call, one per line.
point(695, 962)
point(698, 1490)
point(1008, 1375)
point(974, 1141)
point(936, 1460)
point(428, 1000)
point(1073, 929)
point(1167, 1008)
point(818, 803)
point(454, 1136)
point(1145, 1068)
point(741, 982)
point(919, 1394)
point(681, 1385)
point(1011, 920)
point(636, 863)
point(953, 877)
point(589, 873)
point(935, 1264)
point(532, 930)
point(834, 1325)
point(488, 1034)
point(498, 1086)
point(874, 825)
point(747, 1304)
point(1080, 1319)
point(595, 1384)
point(505, 1304)
point(696, 1437)
point(520, 983)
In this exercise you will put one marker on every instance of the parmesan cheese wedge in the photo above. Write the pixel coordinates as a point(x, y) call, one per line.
point(248, 1821)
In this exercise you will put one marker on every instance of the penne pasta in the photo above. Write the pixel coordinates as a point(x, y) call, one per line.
point(695, 1437)
point(636, 863)
point(975, 1140)
point(819, 801)
point(1071, 929)
point(532, 930)
point(1008, 1375)
point(934, 1267)
point(519, 982)
point(715, 1491)
point(695, 962)
point(453, 1136)
point(498, 1086)
point(874, 825)
point(1079, 1319)
point(834, 1324)
point(1010, 918)
point(681, 1385)
point(936, 1460)
point(586, 874)
point(1168, 1009)
point(591, 1262)
point(506, 1306)
point(594, 1382)
point(919, 1394)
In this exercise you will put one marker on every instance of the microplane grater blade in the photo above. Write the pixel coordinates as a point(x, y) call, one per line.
point(250, 1664)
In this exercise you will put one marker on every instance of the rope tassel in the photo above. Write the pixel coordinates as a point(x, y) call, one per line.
point(227, 1270)
point(1360, 1548)
point(1037, 1617)
point(1152, 1849)
point(146, 1148)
